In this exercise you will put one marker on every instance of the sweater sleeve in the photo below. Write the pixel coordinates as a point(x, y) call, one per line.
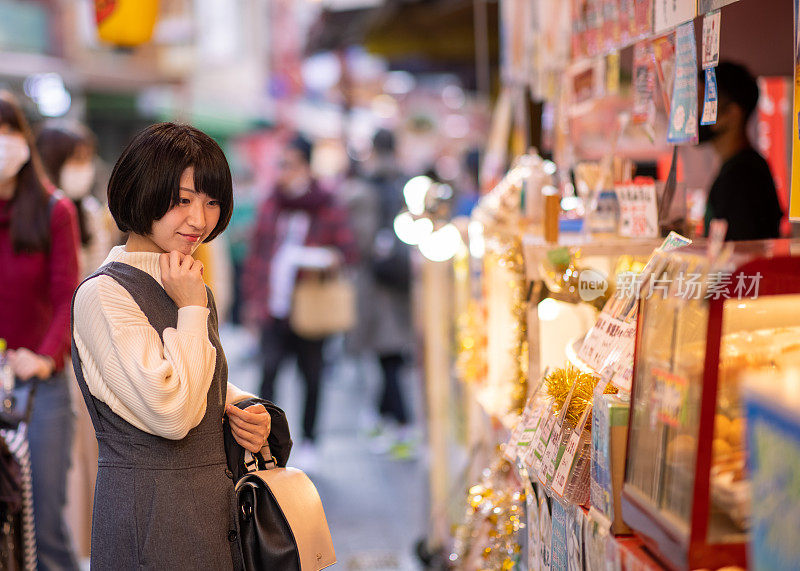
point(160, 388)
point(234, 394)
point(343, 236)
point(63, 268)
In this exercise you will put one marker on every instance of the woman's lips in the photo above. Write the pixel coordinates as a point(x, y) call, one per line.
point(191, 237)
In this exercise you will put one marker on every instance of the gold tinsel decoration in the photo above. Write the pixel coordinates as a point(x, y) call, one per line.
point(560, 382)
point(472, 343)
point(513, 260)
point(488, 539)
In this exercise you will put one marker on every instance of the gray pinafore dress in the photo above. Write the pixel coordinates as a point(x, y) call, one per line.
point(160, 503)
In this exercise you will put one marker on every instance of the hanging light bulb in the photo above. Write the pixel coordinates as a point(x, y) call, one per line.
point(414, 193)
point(411, 231)
point(477, 243)
point(441, 245)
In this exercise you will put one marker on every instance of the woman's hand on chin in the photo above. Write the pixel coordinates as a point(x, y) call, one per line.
point(182, 277)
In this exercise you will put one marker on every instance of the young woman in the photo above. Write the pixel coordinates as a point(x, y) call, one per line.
point(148, 360)
point(68, 155)
point(38, 273)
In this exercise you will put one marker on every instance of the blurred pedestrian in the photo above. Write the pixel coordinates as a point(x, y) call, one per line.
point(361, 203)
point(68, 155)
point(151, 368)
point(387, 330)
point(38, 274)
point(300, 228)
point(743, 193)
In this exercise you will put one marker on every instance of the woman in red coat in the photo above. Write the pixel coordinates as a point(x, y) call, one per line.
point(38, 274)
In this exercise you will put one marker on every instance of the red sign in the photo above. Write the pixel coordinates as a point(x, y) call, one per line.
point(103, 9)
point(773, 108)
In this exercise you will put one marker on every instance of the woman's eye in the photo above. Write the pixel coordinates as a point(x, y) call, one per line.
point(213, 202)
point(185, 201)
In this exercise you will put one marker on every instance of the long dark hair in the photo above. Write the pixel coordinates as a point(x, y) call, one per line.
point(30, 215)
point(56, 144)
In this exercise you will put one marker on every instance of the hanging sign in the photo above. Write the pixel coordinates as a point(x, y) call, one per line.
point(612, 31)
point(711, 31)
point(710, 98)
point(664, 58)
point(670, 13)
point(638, 210)
point(683, 113)
point(643, 18)
point(644, 82)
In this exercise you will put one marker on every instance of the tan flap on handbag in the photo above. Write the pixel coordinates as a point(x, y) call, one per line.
point(301, 505)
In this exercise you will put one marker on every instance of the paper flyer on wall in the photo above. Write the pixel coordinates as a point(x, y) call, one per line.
point(711, 31)
point(710, 98)
point(643, 18)
point(611, 25)
point(794, 198)
point(644, 82)
point(664, 58)
point(683, 113)
point(670, 13)
point(704, 6)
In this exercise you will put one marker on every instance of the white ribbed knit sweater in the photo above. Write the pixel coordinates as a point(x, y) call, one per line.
point(158, 387)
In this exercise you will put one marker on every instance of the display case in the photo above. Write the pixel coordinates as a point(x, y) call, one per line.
point(702, 321)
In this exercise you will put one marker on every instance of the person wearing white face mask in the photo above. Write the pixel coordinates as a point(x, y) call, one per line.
point(38, 274)
point(68, 154)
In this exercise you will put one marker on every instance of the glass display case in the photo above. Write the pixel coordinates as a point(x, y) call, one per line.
point(702, 323)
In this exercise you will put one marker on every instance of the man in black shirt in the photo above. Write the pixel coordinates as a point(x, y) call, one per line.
point(743, 192)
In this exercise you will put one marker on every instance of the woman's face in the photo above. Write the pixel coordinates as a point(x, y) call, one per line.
point(189, 222)
point(14, 152)
point(294, 173)
point(77, 173)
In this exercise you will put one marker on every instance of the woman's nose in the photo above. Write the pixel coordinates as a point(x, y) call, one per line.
point(197, 216)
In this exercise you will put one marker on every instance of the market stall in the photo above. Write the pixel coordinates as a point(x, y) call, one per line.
point(613, 351)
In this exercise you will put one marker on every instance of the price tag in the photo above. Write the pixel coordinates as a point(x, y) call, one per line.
point(526, 440)
point(520, 435)
point(546, 468)
point(510, 448)
point(638, 210)
point(568, 458)
point(544, 437)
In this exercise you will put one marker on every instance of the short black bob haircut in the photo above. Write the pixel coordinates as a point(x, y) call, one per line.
point(145, 182)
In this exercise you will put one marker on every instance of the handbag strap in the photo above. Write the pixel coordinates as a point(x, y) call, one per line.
point(263, 460)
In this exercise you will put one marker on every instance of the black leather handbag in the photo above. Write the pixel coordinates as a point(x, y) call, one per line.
point(280, 523)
